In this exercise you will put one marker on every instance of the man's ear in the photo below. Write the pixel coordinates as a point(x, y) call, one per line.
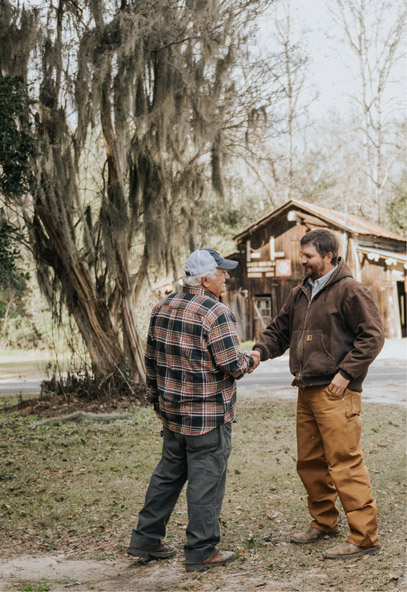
point(329, 257)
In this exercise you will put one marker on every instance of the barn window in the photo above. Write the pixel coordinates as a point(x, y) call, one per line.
point(263, 306)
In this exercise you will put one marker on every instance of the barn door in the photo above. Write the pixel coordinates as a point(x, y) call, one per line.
point(401, 293)
point(239, 310)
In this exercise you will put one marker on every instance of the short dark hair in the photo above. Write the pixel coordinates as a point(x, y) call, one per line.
point(324, 241)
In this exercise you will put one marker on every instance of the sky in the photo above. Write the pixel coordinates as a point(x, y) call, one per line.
point(333, 68)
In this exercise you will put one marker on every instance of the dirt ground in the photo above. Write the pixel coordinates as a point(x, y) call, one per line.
point(69, 574)
point(123, 576)
point(62, 574)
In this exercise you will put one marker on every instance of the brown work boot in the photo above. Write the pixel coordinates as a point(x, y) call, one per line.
point(348, 550)
point(218, 558)
point(311, 535)
point(161, 551)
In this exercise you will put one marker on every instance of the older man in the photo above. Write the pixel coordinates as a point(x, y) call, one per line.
point(192, 363)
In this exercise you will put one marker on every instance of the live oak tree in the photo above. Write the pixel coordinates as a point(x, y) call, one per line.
point(146, 91)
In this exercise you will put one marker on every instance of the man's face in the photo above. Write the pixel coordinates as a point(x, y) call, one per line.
point(315, 266)
point(217, 285)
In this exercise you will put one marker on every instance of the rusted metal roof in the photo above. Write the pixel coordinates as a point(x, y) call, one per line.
point(348, 222)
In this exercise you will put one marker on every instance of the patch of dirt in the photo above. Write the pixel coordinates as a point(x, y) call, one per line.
point(51, 405)
point(62, 574)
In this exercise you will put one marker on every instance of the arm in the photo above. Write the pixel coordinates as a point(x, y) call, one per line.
point(363, 319)
point(223, 345)
point(151, 379)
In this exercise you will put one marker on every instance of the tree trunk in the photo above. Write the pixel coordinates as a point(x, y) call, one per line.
point(150, 78)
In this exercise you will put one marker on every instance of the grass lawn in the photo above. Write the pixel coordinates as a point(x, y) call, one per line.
point(77, 488)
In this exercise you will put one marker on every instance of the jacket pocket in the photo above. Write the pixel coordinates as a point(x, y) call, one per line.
point(316, 360)
point(295, 354)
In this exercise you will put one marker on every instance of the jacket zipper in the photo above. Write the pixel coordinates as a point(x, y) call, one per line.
point(303, 288)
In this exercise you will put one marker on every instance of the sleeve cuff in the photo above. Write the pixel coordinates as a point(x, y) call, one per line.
point(262, 351)
point(345, 374)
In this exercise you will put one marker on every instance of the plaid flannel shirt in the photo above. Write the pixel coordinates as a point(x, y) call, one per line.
point(193, 361)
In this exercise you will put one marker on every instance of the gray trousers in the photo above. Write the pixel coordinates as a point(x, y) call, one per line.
point(202, 461)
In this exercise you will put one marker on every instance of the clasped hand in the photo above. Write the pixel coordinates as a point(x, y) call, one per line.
point(256, 358)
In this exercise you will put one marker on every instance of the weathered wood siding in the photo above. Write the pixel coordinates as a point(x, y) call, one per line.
point(243, 290)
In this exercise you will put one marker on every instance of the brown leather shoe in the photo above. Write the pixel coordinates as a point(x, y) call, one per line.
point(311, 535)
point(218, 558)
point(348, 550)
point(161, 551)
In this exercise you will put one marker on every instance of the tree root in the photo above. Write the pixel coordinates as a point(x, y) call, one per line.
point(84, 417)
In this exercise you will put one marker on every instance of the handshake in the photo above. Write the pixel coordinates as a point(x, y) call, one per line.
point(256, 359)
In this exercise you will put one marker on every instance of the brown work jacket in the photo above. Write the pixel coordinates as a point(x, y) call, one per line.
point(338, 330)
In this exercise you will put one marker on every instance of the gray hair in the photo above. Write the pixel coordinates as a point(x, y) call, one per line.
point(193, 281)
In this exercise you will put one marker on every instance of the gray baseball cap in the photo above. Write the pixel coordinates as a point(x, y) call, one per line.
point(203, 260)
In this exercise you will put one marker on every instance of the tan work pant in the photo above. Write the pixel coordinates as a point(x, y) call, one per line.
point(330, 462)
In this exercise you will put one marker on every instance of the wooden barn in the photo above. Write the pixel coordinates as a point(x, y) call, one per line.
point(269, 255)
